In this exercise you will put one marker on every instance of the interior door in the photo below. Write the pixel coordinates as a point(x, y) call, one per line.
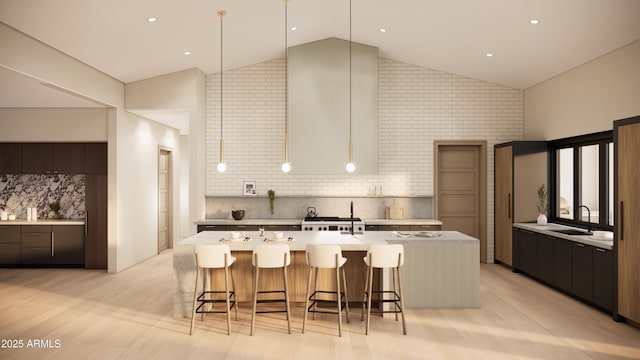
point(164, 200)
point(461, 189)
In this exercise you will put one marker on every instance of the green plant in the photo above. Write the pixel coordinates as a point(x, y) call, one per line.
point(272, 197)
point(542, 199)
point(55, 206)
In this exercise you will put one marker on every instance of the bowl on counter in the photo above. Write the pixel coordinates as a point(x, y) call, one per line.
point(237, 214)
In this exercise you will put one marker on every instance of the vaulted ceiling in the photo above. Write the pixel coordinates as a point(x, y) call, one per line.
point(449, 35)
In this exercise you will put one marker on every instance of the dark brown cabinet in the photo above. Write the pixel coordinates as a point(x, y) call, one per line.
point(10, 245)
point(43, 158)
point(202, 228)
point(582, 271)
point(10, 158)
point(529, 253)
point(603, 278)
point(563, 265)
point(96, 221)
point(36, 245)
point(545, 258)
point(95, 158)
point(579, 270)
point(67, 245)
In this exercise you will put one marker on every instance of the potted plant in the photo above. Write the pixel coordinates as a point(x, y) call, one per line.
point(542, 205)
point(272, 197)
point(55, 209)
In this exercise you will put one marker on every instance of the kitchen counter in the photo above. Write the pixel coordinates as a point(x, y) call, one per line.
point(43, 222)
point(583, 239)
point(403, 222)
point(439, 272)
point(249, 222)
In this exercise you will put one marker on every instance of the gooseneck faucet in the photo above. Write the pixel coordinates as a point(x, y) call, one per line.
point(588, 217)
point(351, 212)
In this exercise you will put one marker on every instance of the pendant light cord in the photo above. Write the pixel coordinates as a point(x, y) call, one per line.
point(221, 13)
point(350, 71)
point(286, 69)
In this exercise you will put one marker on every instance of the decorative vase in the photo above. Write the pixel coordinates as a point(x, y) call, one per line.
point(542, 219)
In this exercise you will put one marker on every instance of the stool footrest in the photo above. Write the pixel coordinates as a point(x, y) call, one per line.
point(203, 301)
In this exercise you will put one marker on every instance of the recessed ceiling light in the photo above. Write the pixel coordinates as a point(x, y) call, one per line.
point(187, 52)
point(382, 30)
point(294, 28)
point(152, 19)
point(489, 54)
point(534, 21)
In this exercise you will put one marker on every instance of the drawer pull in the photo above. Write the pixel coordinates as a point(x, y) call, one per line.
point(601, 250)
point(578, 244)
point(53, 244)
point(622, 220)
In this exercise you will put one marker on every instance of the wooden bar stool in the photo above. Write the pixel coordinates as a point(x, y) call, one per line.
point(326, 257)
point(270, 256)
point(209, 257)
point(384, 256)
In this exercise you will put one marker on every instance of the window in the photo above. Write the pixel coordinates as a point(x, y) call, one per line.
point(582, 187)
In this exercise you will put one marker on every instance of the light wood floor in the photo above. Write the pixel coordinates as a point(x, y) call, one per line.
point(128, 315)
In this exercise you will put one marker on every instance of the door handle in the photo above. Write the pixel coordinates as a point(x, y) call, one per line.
point(621, 220)
point(509, 206)
point(53, 244)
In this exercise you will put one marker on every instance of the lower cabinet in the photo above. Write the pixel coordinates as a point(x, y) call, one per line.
point(67, 245)
point(563, 265)
point(583, 271)
point(580, 270)
point(36, 245)
point(9, 245)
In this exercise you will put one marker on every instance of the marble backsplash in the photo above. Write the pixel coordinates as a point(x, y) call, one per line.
point(18, 192)
point(294, 207)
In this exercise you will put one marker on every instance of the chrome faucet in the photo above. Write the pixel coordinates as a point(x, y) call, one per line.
point(588, 217)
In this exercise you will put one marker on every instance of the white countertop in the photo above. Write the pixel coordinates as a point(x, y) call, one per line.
point(402, 222)
point(43, 222)
point(548, 230)
point(356, 242)
point(298, 221)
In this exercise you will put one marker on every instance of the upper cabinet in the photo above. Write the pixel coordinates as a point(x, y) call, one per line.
point(10, 158)
point(322, 79)
point(42, 158)
point(95, 158)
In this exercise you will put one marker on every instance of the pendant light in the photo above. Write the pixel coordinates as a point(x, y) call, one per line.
point(222, 166)
point(286, 165)
point(351, 166)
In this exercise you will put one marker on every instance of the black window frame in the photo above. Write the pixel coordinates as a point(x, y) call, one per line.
point(603, 139)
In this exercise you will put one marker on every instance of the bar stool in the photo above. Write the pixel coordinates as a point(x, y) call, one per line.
point(385, 256)
point(209, 257)
point(271, 256)
point(326, 257)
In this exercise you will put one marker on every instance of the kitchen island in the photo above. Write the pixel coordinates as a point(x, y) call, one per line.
point(439, 272)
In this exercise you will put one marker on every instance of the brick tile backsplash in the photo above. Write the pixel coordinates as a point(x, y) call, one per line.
point(416, 106)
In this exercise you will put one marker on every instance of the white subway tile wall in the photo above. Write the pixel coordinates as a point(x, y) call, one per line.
point(416, 105)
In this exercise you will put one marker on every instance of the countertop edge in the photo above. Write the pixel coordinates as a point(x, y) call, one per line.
point(546, 230)
point(298, 222)
point(42, 222)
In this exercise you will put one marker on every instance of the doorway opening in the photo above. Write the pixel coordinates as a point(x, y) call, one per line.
point(165, 218)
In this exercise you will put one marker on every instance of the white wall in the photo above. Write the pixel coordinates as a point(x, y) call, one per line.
point(416, 106)
point(59, 124)
point(138, 183)
point(132, 233)
point(586, 99)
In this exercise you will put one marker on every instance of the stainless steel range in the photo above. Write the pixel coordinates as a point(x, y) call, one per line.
point(332, 223)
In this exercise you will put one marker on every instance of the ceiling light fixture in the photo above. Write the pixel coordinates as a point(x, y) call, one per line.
point(382, 30)
point(294, 28)
point(351, 166)
point(488, 55)
point(286, 165)
point(152, 19)
point(534, 21)
point(187, 52)
point(222, 166)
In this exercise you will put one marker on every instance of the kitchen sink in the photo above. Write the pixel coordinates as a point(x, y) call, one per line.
point(572, 232)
